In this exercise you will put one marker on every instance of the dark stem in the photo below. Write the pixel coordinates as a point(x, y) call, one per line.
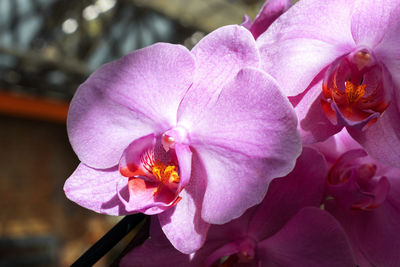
point(109, 240)
point(136, 241)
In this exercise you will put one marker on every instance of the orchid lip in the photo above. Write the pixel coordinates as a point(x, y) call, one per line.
point(153, 173)
point(355, 90)
point(165, 174)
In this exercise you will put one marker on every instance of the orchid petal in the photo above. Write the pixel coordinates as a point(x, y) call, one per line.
point(184, 155)
point(142, 197)
point(369, 21)
point(156, 251)
point(295, 63)
point(357, 125)
point(128, 98)
point(311, 238)
point(304, 186)
point(246, 22)
point(130, 163)
point(388, 51)
point(219, 57)
point(346, 192)
point(96, 189)
point(374, 234)
point(338, 144)
point(234, 230)
point(257, 121)
point(313, 126)
point(146, 193)
point(269, 12)
point(183, 224)
point(244, 141)
point(382, 139)
point(304, 40)
point(224, 251)
point(234, 183)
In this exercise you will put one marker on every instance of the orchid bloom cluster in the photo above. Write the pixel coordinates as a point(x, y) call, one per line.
point(274, 143)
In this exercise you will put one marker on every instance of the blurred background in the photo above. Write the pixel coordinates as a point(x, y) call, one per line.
point(47, 48)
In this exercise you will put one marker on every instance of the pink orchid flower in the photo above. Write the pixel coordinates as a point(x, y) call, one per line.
point(193, 136)
point(269, 12)
point(339, 62)
point(284, 230)
point(363, 195)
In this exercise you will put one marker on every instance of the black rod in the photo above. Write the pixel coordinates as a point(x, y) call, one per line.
point(109, 240)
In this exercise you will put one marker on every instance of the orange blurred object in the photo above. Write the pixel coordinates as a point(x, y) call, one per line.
point(33, 107)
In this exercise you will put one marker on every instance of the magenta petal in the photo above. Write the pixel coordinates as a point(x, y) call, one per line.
point(183, 224)
point(357, 125)
point(128, 98)
point(184, 155)
point(234, 183)
point(242, 121)
point(388, 51)
point(243, 142)
point(370, 20)
point(380, 191)
point(382, 139)
point(142, 199)
point(338, 144)
point(311, 238)
point(226, 250)
point(246, 22)
point(375, 234)
point(97, 189)
point(142, 184)
point(322, 20)
point(304, 40)
point(155, 252)
point(295, 63)
point(158, 251)
point(269, 12)
point(313, 126)
point(130, 163)
point(219, 57)
point(304, 186)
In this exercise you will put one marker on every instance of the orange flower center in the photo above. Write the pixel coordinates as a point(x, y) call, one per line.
point(354, 90)
point(354, 93)
point(165, 173)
